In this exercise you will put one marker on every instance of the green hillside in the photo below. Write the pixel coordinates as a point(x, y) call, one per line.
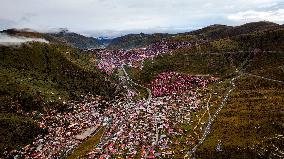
point(250, 124)
point(77, 40)
point(223, 31)
point(38, 76)
point(135, 40)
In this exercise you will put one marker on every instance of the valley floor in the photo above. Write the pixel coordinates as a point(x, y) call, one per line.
point(212, 118)
point(211, 93)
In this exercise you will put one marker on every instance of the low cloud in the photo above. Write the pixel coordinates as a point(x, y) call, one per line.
point(8, 40)
point(252, 15)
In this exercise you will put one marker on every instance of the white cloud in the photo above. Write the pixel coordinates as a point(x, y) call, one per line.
point(269, 5)
point(126, 15)
point(16, 40)
point(251, 15)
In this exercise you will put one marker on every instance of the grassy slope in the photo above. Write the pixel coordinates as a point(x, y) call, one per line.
point(87, 146)
point(40, 77)
point(15, 131)
point(221, 65)
point(77, 40)
point(135, 40)
point(252, 115)
point(223, 31)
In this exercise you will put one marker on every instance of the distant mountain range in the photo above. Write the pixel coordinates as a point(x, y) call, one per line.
point(211, 32)
point(140, 40)
point(63, 37)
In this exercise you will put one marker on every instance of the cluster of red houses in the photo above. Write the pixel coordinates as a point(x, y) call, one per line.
point(171, 83)
point(112, 59)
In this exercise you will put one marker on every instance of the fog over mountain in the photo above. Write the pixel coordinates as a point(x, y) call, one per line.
point(16, 40)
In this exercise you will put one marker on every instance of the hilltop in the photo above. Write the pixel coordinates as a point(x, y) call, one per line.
point(223, 31)
point(135, 40)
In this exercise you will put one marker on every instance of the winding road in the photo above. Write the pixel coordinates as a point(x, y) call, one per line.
point(129, 79)
point(147, 102)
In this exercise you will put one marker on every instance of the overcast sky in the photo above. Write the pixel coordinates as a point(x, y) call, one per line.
point(115, 17)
